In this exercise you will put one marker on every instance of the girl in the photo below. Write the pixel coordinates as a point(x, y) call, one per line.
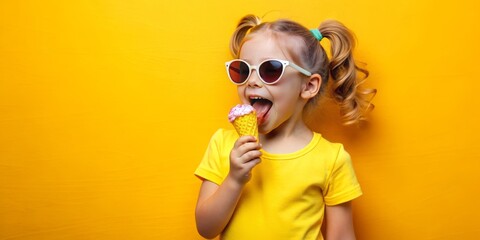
point(284, 184)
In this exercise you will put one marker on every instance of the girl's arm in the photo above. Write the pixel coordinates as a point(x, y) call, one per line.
point(216, 203)
point(339, 222)
point(215, 206)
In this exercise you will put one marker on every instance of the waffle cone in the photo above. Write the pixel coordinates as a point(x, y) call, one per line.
point(246, 125)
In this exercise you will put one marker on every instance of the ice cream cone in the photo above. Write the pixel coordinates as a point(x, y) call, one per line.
point(246, 125)
point(244, 119)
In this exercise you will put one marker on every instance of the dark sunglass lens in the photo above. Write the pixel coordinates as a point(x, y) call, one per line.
point(238, 71)
point(270, 71)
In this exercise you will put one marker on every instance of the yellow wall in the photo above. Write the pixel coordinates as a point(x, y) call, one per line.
point(97, 100)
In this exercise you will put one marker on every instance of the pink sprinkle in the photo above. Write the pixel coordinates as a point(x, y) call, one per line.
point(239, 110)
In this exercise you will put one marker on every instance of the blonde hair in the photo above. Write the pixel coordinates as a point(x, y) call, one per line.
point(345, 88)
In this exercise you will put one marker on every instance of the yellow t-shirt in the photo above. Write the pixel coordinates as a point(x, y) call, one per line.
point(287, 194)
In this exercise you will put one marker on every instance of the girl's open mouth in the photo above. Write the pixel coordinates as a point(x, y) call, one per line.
point(262, 107)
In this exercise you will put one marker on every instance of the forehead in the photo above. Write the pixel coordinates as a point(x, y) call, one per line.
point(266, 44)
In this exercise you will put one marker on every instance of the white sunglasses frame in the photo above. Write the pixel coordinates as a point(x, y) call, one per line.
point(285, 63)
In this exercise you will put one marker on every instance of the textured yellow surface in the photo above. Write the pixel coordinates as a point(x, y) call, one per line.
point(246, 125)
point(99, 140)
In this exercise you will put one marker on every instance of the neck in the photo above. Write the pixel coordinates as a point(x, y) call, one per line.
point(289, 129)
point(290, 136)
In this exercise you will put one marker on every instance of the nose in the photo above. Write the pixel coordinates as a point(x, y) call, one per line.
point(254, 80)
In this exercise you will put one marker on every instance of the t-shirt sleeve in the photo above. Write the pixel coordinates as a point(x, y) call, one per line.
point(215, 164)
point(342, 185)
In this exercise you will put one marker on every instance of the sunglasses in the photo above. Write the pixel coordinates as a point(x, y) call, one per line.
point(269, 71)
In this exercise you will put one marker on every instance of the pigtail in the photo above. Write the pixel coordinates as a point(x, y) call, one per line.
point(345, 89)
point(245, 24)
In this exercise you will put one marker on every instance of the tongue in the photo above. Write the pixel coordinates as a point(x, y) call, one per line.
point(262, 107)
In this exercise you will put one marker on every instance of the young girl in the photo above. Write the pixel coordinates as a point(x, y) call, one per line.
point(284, 184)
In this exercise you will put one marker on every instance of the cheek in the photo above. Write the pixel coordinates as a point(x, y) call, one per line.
point(290, 88)
point(241, 94)
point(283, 97)
point(287, 95)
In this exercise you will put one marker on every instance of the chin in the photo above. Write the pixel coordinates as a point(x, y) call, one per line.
point(265, 130)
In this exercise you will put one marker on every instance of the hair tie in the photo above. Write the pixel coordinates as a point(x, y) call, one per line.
point(316, 33)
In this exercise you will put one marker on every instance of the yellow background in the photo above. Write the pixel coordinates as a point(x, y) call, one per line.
point(106, 108)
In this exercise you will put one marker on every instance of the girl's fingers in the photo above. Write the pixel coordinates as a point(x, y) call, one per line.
point(252, 155)
point(244, 139)
point(252, 163)
point(249, 146)
point(247, 152)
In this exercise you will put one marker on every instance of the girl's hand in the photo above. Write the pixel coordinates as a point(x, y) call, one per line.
point(244, 156)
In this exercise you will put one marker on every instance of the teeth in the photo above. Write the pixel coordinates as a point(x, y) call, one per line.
point(254, 99)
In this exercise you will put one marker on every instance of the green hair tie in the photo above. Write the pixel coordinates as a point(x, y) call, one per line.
point(316, 33)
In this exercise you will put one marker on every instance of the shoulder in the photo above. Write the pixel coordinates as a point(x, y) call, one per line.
point(223, 134)
point(224, 137)
point(332, 150)
point(215, 162)
point(332, 155)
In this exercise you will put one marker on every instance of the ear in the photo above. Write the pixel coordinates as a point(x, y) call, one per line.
point(311, 86)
